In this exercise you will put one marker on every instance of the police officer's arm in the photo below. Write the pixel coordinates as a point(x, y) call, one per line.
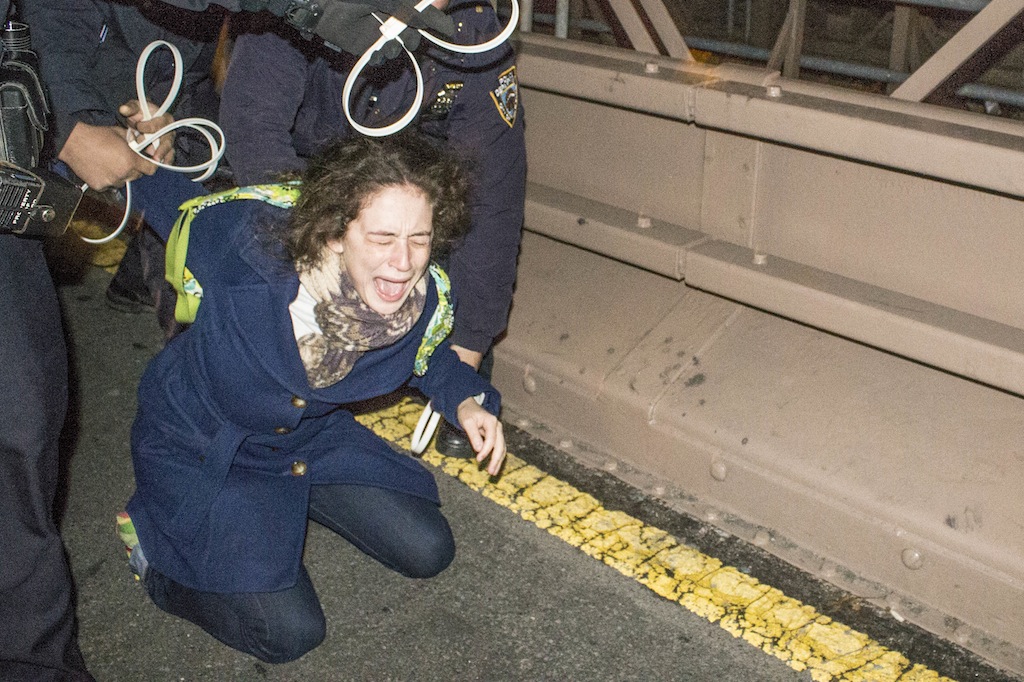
point(258, 126)
point(86, 135)
point(486, 124)
point(65, 34)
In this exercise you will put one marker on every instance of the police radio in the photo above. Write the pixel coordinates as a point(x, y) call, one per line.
point(35, 203)
point(33, 200)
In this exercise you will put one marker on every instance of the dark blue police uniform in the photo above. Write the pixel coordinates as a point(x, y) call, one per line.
point(282, 101)
point(38, 642)
point(37, 619)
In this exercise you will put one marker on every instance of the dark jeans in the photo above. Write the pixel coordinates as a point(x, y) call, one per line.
point(38, 642)
point(405, 533)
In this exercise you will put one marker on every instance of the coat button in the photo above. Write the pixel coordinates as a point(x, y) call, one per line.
point(282, 430)
point(298, 468)
point(298, 402)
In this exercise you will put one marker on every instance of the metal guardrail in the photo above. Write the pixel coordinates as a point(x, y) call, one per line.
point(975, 91)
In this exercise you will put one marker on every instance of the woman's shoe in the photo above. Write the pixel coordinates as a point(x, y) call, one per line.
point(136, 559)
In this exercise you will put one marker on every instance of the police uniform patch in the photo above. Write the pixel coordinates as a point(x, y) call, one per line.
point(506, 96)
point(444, 101)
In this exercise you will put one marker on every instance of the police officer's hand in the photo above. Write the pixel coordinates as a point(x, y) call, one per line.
point(162, 150)
point(485, 434)
point(351, 26)
point(101, 157)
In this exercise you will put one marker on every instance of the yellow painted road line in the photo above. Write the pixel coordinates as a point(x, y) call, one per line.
point(739, 604)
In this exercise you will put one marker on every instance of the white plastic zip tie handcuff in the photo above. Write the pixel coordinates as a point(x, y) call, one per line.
point(139, 142)
point(426, 426)
point(391, 30)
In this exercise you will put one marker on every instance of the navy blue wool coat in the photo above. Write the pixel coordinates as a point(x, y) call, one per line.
point(229, 435)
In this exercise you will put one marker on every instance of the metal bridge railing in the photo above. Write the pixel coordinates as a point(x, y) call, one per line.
point(991, 18)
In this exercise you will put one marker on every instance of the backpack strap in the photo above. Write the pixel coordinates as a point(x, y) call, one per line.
point(189, 291)
point(441, 321)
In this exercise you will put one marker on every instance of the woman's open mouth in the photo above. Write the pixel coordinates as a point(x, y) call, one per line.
point(390, 291)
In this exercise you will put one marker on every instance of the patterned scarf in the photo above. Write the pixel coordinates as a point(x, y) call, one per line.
point(348, 326)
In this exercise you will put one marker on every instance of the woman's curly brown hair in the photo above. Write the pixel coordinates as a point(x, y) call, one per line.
point(345, 175)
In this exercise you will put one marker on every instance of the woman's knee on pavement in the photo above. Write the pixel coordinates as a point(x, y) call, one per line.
point(275, 627)
point(430, 550)
point(286, 635)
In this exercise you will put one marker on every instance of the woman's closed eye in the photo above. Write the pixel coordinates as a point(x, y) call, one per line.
point(389, 239)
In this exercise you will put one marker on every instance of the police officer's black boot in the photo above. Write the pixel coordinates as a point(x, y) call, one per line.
point(453, 442)
point(127, 291)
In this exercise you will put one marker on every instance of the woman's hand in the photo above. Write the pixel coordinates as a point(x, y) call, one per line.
point(484, 432)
